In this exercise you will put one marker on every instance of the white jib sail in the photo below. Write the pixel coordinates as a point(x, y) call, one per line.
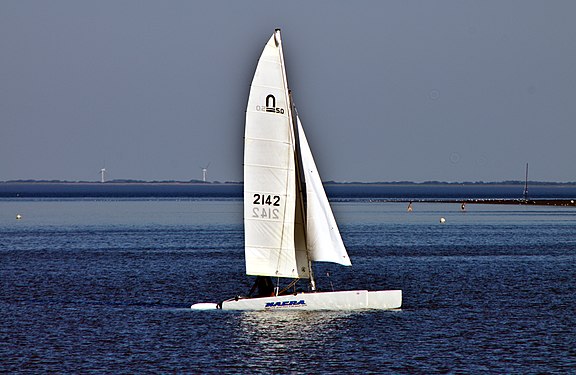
point(273, 243)
point(322, 234)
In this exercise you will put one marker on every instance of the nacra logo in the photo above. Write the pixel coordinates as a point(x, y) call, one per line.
point(270, 106)
point(285, 303)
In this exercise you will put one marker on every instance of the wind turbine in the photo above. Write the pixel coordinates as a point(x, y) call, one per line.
point(204, 172)
point(526, 185)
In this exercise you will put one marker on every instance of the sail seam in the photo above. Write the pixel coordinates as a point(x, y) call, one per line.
point(266, 140)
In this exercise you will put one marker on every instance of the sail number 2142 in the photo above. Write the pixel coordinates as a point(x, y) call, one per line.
point(266, 204)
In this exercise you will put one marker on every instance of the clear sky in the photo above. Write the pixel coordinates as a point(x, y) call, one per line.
point(386, 90)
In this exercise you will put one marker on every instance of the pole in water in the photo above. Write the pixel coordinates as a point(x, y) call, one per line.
point(526, 184)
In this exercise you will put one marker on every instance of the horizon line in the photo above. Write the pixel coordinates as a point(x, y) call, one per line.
point(329, 182)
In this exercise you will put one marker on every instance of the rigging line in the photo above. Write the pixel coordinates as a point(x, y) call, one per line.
point(293, 283)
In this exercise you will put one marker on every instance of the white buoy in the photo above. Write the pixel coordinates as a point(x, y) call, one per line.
point(18, 217)
point(442, 220)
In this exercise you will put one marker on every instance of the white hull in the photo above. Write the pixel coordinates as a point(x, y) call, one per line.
point(204, 306)
point(345, 300)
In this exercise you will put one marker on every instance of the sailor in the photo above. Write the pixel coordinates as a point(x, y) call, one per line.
point(264, 285)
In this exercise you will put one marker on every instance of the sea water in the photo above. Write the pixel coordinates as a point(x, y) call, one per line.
point(105, 286)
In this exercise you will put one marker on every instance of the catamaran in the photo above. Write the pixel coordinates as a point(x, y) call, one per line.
point(288, 221)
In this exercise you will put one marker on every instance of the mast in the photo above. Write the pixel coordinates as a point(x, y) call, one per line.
point(301, 185)
point(300, 180)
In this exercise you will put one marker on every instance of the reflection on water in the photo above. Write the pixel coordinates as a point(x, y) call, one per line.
point(266, 325)
point(281, 341)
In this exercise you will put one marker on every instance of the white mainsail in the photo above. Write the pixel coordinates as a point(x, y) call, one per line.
point(274, 243)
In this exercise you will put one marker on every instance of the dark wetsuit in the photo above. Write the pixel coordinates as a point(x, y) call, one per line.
point(264, 285)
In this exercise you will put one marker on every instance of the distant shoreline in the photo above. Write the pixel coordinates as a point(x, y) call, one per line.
point(507, 190)
point(198, 182)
